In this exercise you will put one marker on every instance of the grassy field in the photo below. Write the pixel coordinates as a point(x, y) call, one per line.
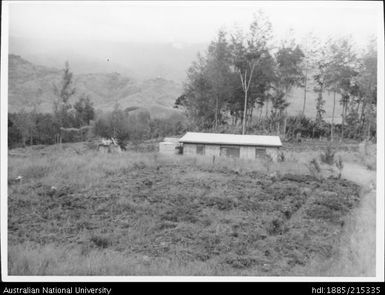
point(80, 212)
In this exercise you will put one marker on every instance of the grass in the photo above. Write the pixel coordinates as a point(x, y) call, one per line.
point(146, 214)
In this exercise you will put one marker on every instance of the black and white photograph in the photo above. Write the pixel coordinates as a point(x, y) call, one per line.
point(196, 140)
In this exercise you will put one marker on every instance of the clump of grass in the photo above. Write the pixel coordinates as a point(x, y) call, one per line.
point(100, 241)
point(327, 156)
point(314, 168)
point(275, 226)
point(281, 157)
point(339, 165)
point(240, 262)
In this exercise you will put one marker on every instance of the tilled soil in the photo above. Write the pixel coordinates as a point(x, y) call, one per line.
point(249, 222)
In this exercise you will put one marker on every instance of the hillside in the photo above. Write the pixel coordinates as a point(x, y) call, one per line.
point(32, 85)
point(140, 60)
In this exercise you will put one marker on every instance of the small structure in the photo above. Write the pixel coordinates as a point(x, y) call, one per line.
point(231, 145)
point(109, 146)
point(169, 145)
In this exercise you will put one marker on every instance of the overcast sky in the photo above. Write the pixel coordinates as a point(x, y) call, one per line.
point(187, 22)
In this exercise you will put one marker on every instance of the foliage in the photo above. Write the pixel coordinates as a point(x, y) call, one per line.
point(327, 156)
point(213, 96)
point(84, 111)
point(44, 129)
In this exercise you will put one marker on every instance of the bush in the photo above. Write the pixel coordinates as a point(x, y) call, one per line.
point(327, 157)
point(100, 241)
point(339, 165)
point(281, 157)
point(314, 168)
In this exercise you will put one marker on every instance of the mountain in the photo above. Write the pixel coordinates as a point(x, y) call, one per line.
point(140, 60)
point(32, 85)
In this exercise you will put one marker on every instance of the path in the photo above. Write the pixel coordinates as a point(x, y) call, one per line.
point(358, 242)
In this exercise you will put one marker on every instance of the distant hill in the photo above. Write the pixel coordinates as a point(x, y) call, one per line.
point(140, 60)
point(32, 85)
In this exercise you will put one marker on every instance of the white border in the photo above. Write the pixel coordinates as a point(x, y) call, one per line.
point(4, 161)
point(4, 141)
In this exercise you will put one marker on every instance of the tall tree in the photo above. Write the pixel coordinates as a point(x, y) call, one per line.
point(85, 111)
point(321, 72)
point(197, 98)
point(289, 71)
point(248, 52)
point(64, 91)
point(218, 73)
point(340, 73)
point(366, 82)
point(309, 47)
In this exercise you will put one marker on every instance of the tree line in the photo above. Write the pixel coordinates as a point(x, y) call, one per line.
point(243, 80)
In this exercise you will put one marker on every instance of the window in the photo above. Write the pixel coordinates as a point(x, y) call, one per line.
point(200, 149)
point(260, 152)
point(230, 151)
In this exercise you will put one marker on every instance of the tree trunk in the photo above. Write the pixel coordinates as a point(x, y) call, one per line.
point(278, 127)
point(368, 134)
point(332, 126)
point(284, 125)
point(304, 96)
point(244, 114)
point(343, 119)
point(216, 113)
point(251, 114)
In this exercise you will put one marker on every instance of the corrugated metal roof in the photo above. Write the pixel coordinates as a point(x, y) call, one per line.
point(232, 139)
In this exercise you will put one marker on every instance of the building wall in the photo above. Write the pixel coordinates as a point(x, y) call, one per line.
point(189, 149)
point(246, 152)
point(168, 148)
point(210, 150)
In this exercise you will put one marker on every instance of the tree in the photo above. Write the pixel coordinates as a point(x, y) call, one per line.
point(279, 104)
point(366, 81)
point(64, 91)
point(321, 72)
point(309, 48)
point(248, 52)
point(85, 111)
point(197, 100)
point(340, 74)
point(218, 73)
point(289, 71)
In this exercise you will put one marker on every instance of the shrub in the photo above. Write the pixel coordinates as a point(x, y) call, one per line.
point(314, 168)
point(275, 226)
point(327, 157)
point(339, 165)
point(100, 241)
point(281, 157)
point(315, 165)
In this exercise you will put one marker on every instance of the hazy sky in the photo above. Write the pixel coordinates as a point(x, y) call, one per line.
point(186, 22)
